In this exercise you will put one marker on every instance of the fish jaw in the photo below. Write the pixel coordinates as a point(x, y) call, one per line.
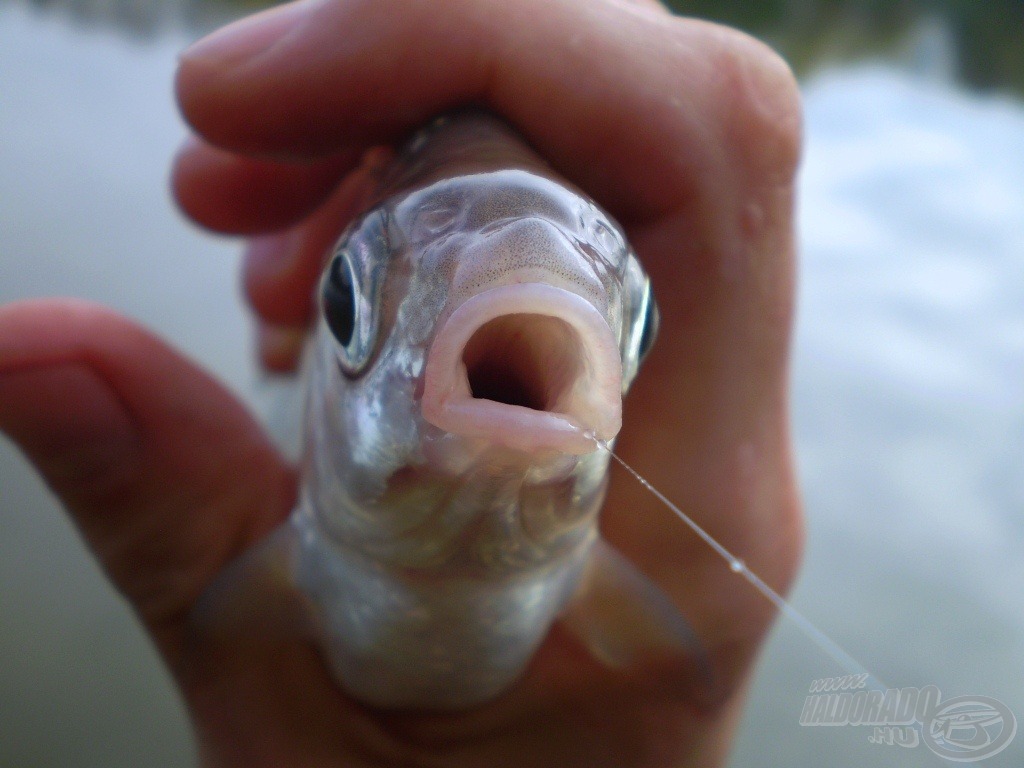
point(528, 366)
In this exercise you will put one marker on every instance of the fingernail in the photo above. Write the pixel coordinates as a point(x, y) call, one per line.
point(247, 37)
point(280, 346)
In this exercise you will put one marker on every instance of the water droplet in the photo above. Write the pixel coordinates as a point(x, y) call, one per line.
point(737, 566)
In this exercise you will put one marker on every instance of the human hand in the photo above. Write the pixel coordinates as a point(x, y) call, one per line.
point(685, 131)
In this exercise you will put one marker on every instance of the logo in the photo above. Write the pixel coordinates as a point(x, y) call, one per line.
point(969, 728)
point(963, 729)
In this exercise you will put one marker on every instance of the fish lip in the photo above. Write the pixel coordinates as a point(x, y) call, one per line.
point(447, 402)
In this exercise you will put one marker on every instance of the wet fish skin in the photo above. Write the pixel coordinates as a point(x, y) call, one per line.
point(439, 534)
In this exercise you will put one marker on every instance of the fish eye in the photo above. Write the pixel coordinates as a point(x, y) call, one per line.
point(350, 293)
point(340, 303)
point(343, 313)
point(652, 319)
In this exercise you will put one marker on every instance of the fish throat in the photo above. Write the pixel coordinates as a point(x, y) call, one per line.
point(527, 360)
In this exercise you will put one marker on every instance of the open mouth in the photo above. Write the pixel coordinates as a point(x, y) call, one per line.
point(531, 361)
point(529, 366)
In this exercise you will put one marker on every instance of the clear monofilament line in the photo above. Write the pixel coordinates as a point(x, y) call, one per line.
point(849, 664)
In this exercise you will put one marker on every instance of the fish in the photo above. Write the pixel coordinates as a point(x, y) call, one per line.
point(478, 327)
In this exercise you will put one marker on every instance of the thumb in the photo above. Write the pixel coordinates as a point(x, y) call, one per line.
point(164, 472)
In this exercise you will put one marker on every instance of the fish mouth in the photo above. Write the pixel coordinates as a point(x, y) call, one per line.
point(529, 366)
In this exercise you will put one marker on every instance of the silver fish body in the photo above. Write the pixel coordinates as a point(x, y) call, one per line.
point(479, 326)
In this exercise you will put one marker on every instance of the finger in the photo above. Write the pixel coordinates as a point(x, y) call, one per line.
point(636, 106)
point(707, 425)
point(279, 347)
point(164, 472)
point(240, 195)
point(649, 4)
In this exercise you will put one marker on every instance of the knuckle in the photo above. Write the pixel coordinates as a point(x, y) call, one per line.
point(760, 107)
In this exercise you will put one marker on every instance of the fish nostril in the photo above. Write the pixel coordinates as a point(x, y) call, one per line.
point(523, 359)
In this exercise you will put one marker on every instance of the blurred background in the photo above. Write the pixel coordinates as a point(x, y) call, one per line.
point(908, 382)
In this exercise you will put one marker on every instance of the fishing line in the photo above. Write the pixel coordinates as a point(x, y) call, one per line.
point(825, 643)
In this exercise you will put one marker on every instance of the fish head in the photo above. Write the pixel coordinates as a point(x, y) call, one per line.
point(483, 312)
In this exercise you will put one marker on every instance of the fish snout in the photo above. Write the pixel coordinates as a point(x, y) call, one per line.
point(530, 366)
point(527, 249)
